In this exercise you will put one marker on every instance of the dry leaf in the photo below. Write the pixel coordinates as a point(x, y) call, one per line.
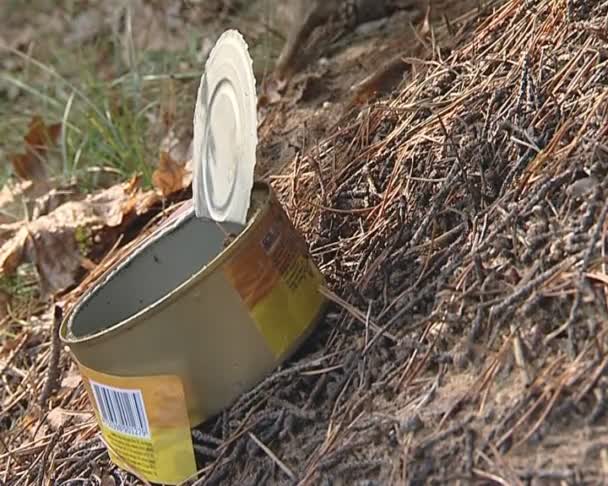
point(17, 199)
point(72, 380)
point(31, 165)
point(57, 418)
point(170, 176)
point(40, 136)
point(58, 242)
point(52, 200)
point(381, 80)
point(12, 251)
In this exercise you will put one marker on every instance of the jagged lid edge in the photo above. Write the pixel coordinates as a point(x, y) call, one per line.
point(198, 192)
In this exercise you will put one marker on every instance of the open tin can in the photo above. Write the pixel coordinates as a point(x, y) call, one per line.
point(221, 294)
point(187, 323)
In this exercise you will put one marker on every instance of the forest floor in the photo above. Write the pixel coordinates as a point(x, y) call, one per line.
point(450, 178)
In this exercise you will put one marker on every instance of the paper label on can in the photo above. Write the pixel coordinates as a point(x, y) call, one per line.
point(144, 421)
point(277, 280)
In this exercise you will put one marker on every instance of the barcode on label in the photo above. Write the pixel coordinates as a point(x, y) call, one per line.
point(122, 410)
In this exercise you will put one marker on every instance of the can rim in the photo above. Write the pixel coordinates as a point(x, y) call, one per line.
point(170, 297)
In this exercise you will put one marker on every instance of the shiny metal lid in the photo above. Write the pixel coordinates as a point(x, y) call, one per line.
point(225, 132)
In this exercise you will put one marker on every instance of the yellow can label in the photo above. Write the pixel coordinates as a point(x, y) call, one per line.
point(145, 423)
point(277, 280)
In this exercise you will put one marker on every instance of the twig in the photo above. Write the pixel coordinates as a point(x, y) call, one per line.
point(53, 367)
point(272, 456)
point(567, 326)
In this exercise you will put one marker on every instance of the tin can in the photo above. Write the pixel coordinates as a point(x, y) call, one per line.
point(196, 316)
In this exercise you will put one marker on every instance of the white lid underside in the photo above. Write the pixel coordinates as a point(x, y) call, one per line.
point(225, 133)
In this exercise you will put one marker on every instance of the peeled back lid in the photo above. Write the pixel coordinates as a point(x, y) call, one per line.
point(225, 133)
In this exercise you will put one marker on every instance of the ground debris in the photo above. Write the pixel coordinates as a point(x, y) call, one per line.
point(61, 242)
point(460, 224)
point(171, 176)
point(469, 206)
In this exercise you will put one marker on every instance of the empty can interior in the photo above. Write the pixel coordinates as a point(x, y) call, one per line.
point(151, 273)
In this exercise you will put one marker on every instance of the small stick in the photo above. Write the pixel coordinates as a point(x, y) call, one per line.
point(22, 342)
point(568, 325)
point(519, 355)
point(47, 452)
point(272, 456)
point(53, 368)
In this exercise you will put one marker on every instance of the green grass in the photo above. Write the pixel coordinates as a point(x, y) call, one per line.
point(110, 97)
point(106, 123)
point(111, 123)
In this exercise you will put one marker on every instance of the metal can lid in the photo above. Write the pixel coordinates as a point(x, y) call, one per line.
point(225, 132)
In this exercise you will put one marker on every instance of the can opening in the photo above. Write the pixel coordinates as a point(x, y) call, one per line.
point(151, 272)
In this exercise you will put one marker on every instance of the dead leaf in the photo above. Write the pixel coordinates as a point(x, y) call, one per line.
point(57, 418)
point(72, 380)
point(17, 199)
point(170, 176)
point(58, 242)
point(12, 251)
point(31, 165)
point(144, 202)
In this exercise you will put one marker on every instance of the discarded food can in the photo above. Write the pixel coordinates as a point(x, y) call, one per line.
point(182, 327)
point(205, 308)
